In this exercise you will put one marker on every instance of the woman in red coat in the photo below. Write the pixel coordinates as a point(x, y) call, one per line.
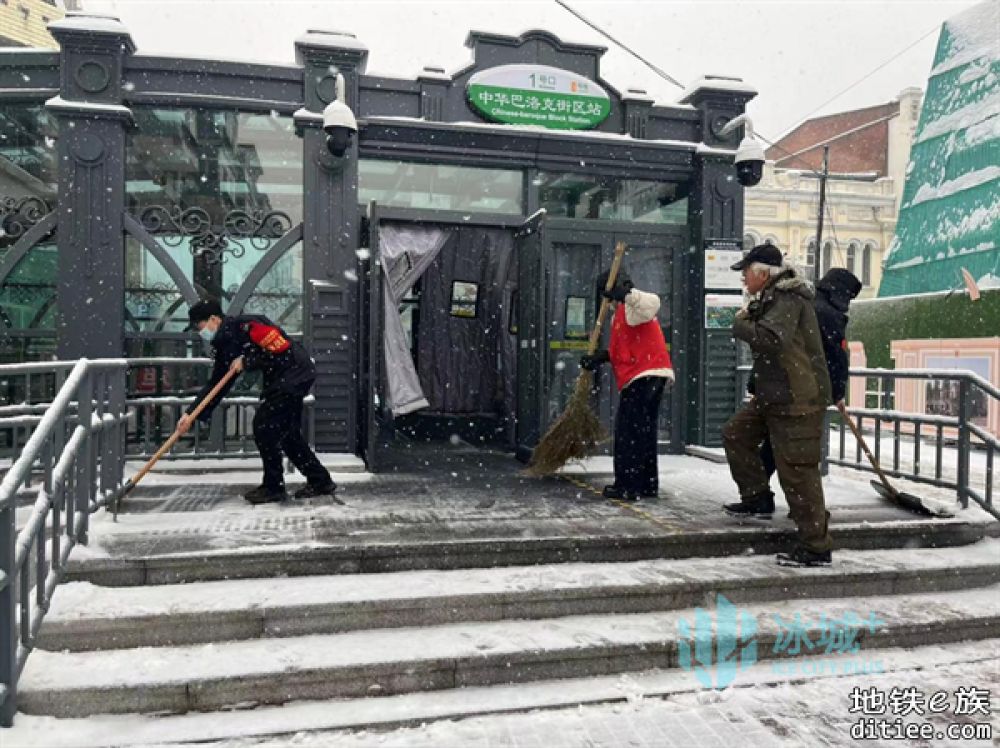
point(641, 363)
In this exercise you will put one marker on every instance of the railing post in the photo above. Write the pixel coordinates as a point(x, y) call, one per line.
point(8, 614)
point(85, 458)
point(964, 441)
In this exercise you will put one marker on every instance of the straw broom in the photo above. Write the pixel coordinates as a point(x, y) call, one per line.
point(577, 432)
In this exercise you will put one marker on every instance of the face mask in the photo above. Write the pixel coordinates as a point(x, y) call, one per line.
point(207, 334)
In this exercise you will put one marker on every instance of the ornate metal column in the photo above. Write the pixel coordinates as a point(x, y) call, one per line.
point(715, 212)
point(330, 237)
point(91, 148)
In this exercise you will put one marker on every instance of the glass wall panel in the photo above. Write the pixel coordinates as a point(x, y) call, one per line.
point(439, 187)
point(279, 294)
point(216, 187)
point(585, 196)
point(27, 155)
point(152, 301)
point(28, 294)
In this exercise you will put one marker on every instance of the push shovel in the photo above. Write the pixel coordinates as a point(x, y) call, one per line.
point(884, 488)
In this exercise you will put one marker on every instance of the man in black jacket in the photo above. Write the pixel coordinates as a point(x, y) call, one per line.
point(253, 342)
point(834, 294)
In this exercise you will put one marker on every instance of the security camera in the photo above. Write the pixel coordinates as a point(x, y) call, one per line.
point(749, 162)
point(750, 155)
point(339, 125)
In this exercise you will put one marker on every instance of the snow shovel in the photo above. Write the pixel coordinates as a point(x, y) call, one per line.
point(577, 431)
point(169, 443)
point(884, 488)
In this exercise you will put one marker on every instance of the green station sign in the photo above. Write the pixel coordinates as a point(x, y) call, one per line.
point(538, 95)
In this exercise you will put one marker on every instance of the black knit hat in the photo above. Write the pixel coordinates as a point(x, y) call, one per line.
point(202, 310)
point(842, 280)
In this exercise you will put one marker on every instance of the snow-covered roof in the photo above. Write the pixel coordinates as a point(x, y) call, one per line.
point(716, 83)
point(333, 39)
point(974, 34)
point(97, 23)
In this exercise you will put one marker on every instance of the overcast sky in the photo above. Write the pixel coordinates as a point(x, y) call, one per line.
point(797, 54)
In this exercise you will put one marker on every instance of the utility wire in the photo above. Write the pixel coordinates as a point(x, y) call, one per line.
point(673, 80)
point(863, 78)
point(628, 49)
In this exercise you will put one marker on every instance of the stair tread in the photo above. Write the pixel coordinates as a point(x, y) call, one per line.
point(83, 603)
point(100, 730)
point(448, 646)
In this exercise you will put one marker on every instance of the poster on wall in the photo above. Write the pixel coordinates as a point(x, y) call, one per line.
point(720, 256)
point(720, 310)
point(942, 396)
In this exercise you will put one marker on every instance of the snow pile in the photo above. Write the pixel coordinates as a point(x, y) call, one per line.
point(968, 116)
point(973, 36)
point(965, 182)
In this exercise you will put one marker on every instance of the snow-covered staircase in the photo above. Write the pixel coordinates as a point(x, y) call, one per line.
point(216, 645)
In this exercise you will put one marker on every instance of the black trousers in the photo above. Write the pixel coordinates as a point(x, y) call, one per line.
point(636, 436)
point(277, 429)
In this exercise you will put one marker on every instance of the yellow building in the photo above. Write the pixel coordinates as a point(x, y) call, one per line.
point(869, 150)
point(857, 228)
point(23, 23)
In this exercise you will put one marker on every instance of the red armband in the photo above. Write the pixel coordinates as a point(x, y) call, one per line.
point(269, 338)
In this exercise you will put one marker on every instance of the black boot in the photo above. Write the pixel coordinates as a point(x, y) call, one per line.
point(265, 495)
point(760, 506)
point(308, 491)
point(802, 556)
point(614, 492)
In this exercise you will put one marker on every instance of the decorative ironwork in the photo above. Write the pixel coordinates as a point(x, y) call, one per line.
point(18, 214)
point(273, 302)
point(151, 295)
point(216, 243)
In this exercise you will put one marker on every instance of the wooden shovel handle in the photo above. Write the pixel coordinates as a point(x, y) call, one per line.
point(616, 264)
point(864, 446)
point(169, 443)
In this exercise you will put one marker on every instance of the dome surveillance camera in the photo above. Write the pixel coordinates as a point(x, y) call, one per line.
point(749, 162)
point(339, 125)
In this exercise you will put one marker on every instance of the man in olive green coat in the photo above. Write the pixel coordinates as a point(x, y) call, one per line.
point(791, 390)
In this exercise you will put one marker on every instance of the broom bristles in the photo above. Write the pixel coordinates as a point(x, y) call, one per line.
point(573, 436)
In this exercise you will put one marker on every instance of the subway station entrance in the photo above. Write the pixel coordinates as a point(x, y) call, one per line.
point(475, 327)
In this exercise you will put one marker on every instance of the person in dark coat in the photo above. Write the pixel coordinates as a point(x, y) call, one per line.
point(253, 342)
point(791, 393)
point(834, 294)
point(637, 352)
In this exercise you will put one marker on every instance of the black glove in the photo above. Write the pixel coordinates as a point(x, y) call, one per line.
point(619, 291)
point(590, 363)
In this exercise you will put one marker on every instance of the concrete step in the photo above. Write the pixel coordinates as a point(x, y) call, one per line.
point(393, 661)
point(86, 617)
point(312, 721)
point(383, 549)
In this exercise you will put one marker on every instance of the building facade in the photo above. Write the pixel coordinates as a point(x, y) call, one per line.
point(452, 248)
point(24, 23)
point(869, 150)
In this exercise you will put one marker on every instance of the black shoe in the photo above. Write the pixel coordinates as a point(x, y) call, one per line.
point(264, 495)
point(308, 491)
point(614, 492)
point(761, 506)
point(802, 556)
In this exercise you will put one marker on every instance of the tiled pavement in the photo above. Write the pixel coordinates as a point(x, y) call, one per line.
point(815, 713)
point(445, 493)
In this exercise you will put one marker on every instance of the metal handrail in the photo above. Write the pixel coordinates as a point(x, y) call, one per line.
point(963, 482)
point(78, 445)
